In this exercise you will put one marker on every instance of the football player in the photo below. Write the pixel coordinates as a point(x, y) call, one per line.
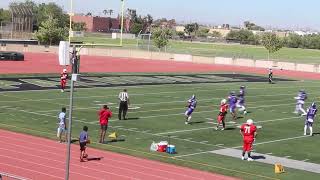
point(312, 111)
point(249, 132)
point(222, 114)
point(192, 103)
point(63, 79)
point(302, 96)
point(240, 100)
point(232, 99)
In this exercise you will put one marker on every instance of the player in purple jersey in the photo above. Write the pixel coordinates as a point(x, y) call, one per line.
point(241, 101)
point(191, 106)
point(312, 112)
point(232, 99)
point(301, 97)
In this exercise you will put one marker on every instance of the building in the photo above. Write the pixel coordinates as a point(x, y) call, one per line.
point(223, 32)
point(97, 23)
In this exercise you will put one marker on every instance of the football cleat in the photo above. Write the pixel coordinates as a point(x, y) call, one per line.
point(250, 159)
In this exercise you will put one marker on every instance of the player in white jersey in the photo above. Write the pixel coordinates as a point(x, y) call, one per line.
point(301, 97)
point(62, 128)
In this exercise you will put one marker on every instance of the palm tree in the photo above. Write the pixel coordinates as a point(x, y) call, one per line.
point(105, 12)
point(111, 12)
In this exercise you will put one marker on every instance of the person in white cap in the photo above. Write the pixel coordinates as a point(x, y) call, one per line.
point(249, 132)
point(63, 79)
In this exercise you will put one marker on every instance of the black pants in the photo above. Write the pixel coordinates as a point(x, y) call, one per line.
point(123, 108)
point(270, 78)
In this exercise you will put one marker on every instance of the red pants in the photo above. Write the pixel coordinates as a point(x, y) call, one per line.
point(247, 144)
point(63, 84)
point(220, 118)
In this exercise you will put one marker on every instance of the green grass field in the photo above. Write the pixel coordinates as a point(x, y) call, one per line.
point(306, 56)
point(161, 114)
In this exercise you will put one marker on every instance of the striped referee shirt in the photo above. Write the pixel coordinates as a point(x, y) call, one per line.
point(123, 96)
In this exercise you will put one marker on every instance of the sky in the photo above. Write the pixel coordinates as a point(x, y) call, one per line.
point(285, 14)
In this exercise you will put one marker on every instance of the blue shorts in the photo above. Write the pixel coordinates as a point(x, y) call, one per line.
point(188, 112)
point(232, 109)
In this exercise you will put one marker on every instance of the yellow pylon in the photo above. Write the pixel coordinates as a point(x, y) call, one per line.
point(278, 168)
point(113, 135)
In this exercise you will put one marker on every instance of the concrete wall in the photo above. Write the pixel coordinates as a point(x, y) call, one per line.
point(138, 54)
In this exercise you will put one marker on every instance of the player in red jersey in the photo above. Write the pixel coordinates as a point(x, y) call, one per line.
point(222, 114)
point(63, 79)
point(249, 132)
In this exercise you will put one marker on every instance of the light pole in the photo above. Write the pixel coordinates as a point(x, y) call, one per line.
point(70, 102)
point(122, 14)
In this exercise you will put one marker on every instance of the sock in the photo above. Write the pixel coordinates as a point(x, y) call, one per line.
point(189, 118)
point(305, 129)
point(310, 128)
point(249, 154)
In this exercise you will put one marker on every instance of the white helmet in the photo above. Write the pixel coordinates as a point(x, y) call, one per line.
point(223, 101)
point(64, 70)
point(249, 121)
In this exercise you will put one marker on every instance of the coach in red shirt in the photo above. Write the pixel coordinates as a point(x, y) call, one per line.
point(104, 115)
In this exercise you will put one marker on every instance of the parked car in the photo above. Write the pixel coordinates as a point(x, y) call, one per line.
point(11, 56)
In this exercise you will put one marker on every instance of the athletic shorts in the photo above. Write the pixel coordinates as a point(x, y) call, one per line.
point(188, 112)
point(103, 127)
point(220, 118)
point(232, 109)
point(309, 123)
point(247, 145)
point(61, 130)
point(83, 146)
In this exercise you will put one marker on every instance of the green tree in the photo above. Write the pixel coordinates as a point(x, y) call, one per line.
point(5, 15)
point(50, 33)
point(293, 41)
point(136, 28)
point(271, 42)
point(161, 37)
point(243, 36)
point(203, 32)
point(216, 34)
point(191, 28)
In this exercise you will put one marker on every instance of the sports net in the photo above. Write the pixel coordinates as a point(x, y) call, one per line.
point(144, 42)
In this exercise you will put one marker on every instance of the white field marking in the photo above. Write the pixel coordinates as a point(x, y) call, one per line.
point(163, 85)
point(204, 141)
point(179, 131)
point(266, 142)
point(219, 144)
point(305, 160)
point(143, 94)
point(287, 156)
point(273, 141)
point(179, 156)
point(271, 120)
point(269, 153)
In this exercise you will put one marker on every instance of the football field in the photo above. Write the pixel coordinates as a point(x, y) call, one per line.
point(31, 104)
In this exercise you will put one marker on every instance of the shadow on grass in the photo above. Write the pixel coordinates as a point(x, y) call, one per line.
point(197, 122)
point(258, 157)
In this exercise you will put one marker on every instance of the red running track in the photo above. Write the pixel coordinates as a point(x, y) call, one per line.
point(38, 158)
point(48, 63)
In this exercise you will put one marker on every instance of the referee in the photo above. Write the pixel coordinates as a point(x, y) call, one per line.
point(123, 105)
point(270, 76)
